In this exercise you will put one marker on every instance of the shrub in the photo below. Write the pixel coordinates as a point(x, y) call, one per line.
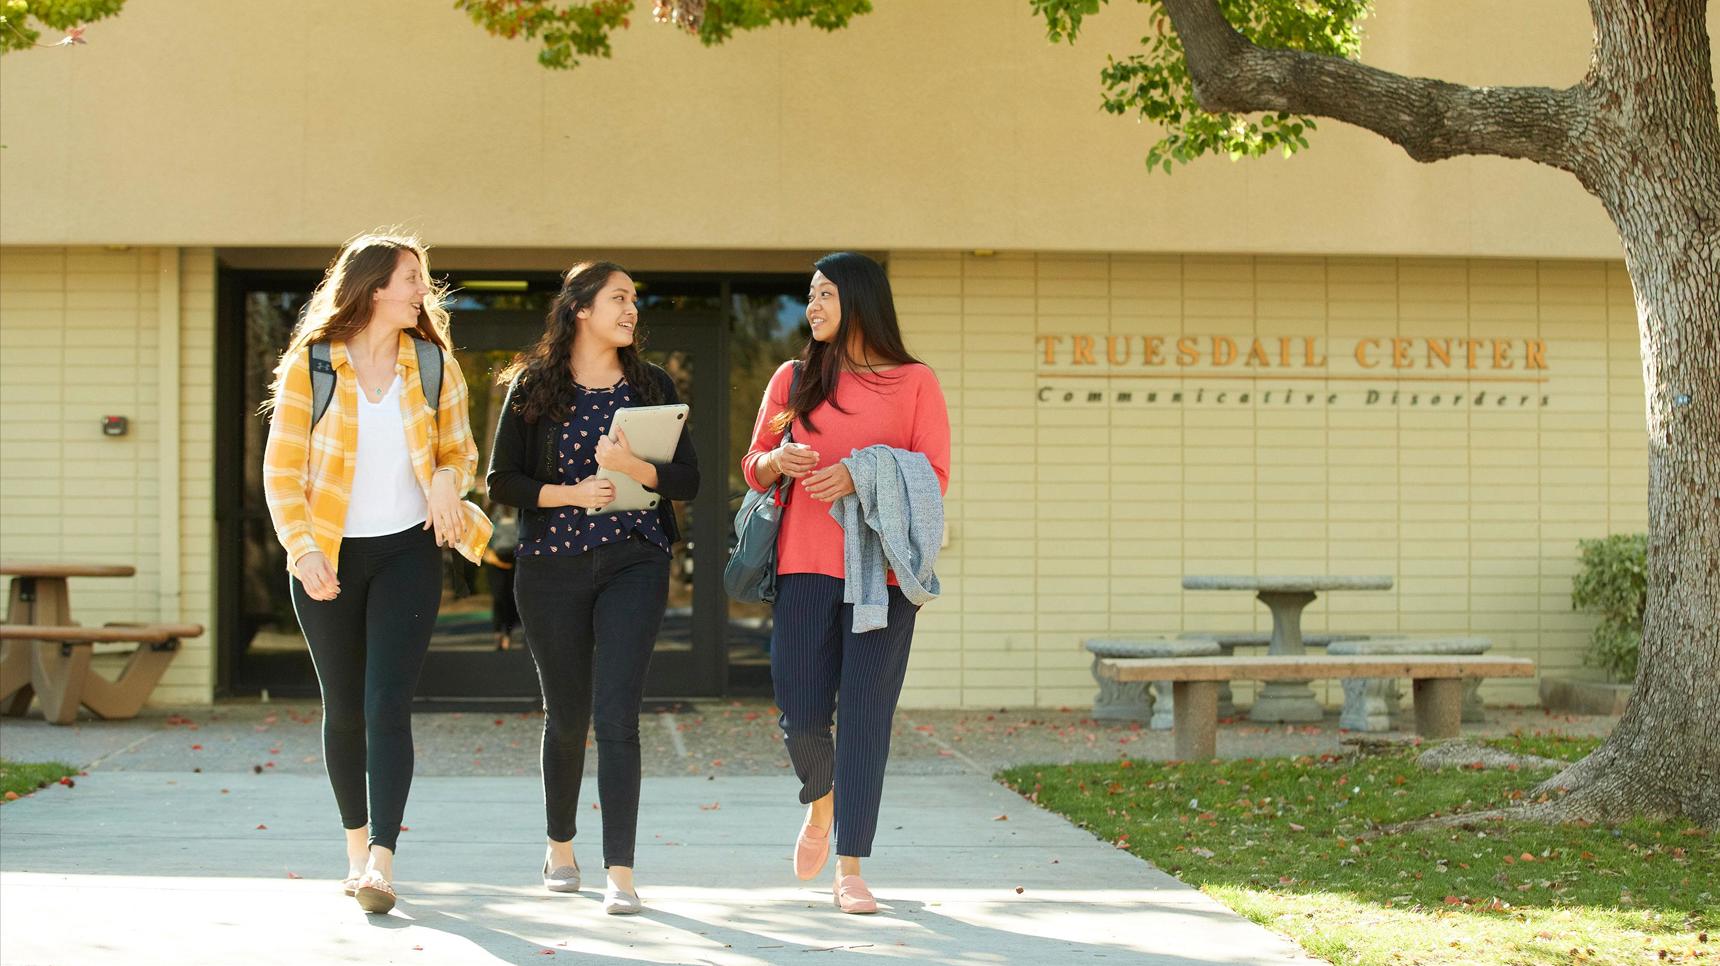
point(1612, 581)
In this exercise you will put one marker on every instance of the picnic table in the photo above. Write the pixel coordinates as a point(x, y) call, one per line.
point(45, 655)
point(1286, 597)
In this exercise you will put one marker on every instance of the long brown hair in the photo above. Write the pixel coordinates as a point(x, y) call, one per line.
point(863, 292)
point(545, 371)
point(341, 306)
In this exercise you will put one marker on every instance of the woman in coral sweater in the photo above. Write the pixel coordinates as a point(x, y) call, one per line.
point(857, 387)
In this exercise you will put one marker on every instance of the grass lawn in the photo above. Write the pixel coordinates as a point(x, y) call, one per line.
point(21, 778)
point(1276, 840)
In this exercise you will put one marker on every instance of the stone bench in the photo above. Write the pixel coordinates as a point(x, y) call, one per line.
point(1132, 701)
point(1228, 642)
point(1437, 685)
point(1369, 703)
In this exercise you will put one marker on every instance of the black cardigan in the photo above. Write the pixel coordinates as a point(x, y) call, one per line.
point(523, 462)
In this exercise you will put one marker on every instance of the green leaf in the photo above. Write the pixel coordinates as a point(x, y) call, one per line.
point(1154, 83)
point(570, 31)
point(17, 33)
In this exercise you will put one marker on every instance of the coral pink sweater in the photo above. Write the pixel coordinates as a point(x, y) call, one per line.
point(902, 408)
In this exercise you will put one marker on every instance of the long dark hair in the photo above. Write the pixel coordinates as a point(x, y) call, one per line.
point(863, 292)
point(545, 371)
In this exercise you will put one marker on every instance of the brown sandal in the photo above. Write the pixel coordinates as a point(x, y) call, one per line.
point(374, 894)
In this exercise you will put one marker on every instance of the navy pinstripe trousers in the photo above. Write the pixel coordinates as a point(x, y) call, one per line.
point(820, 668)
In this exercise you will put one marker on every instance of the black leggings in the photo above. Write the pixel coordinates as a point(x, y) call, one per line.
point(591, 621)
point(368, 645)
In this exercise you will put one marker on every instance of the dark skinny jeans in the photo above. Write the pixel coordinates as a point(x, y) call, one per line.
point(591, 621)
point(368, 645)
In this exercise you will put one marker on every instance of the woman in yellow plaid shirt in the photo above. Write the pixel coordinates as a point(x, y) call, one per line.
point(363, 495)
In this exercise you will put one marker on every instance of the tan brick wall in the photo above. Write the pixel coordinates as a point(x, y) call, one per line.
point(80, 338)
point(1074, 520)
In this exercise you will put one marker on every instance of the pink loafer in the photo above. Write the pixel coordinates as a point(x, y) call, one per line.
point(853, 897)
point(811, 849)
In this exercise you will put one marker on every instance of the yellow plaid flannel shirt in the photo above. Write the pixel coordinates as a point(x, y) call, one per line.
point(307, 471)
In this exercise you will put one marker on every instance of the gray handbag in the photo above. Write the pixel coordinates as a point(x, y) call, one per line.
point(750, 574)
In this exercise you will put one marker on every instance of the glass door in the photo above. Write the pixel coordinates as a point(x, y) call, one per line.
point(465, 659)
point(719, 338)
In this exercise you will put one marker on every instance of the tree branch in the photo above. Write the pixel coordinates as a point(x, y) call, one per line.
point(1430, 119)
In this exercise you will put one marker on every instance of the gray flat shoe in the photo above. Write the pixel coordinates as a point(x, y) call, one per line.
point(562, 878)
point(618, 903)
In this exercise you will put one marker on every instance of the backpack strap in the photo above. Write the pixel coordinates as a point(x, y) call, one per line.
point(429, 370)
point(322, 375)
point(322, 380)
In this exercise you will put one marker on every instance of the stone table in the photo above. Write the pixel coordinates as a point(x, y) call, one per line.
point(1286, 597)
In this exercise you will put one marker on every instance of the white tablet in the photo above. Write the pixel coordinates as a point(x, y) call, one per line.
point(653, 432)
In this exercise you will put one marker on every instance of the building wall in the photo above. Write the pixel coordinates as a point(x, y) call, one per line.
point(92, 332)
point(1067, 520)
point(948, 125)
point(1071, 520)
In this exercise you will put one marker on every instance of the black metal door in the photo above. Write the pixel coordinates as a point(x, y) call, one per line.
point(690, 660)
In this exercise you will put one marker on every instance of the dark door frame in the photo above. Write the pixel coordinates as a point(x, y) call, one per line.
point(231, 514)
point(702, 672)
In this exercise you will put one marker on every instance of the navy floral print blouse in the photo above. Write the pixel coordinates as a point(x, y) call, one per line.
point(572, 529)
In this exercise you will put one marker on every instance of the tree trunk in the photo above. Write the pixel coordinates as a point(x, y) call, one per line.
point(1660, 184)
point(1664, 756)
point(1640, 133)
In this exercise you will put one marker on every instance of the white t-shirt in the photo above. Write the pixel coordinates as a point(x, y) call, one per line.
point(385, 494)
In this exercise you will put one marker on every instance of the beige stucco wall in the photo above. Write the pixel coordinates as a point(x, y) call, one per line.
point(1073, 520)
point(946, 125)
point(924, 132)
point(93, 332)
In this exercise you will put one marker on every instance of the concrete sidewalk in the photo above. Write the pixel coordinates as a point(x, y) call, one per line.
point(236, 868)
